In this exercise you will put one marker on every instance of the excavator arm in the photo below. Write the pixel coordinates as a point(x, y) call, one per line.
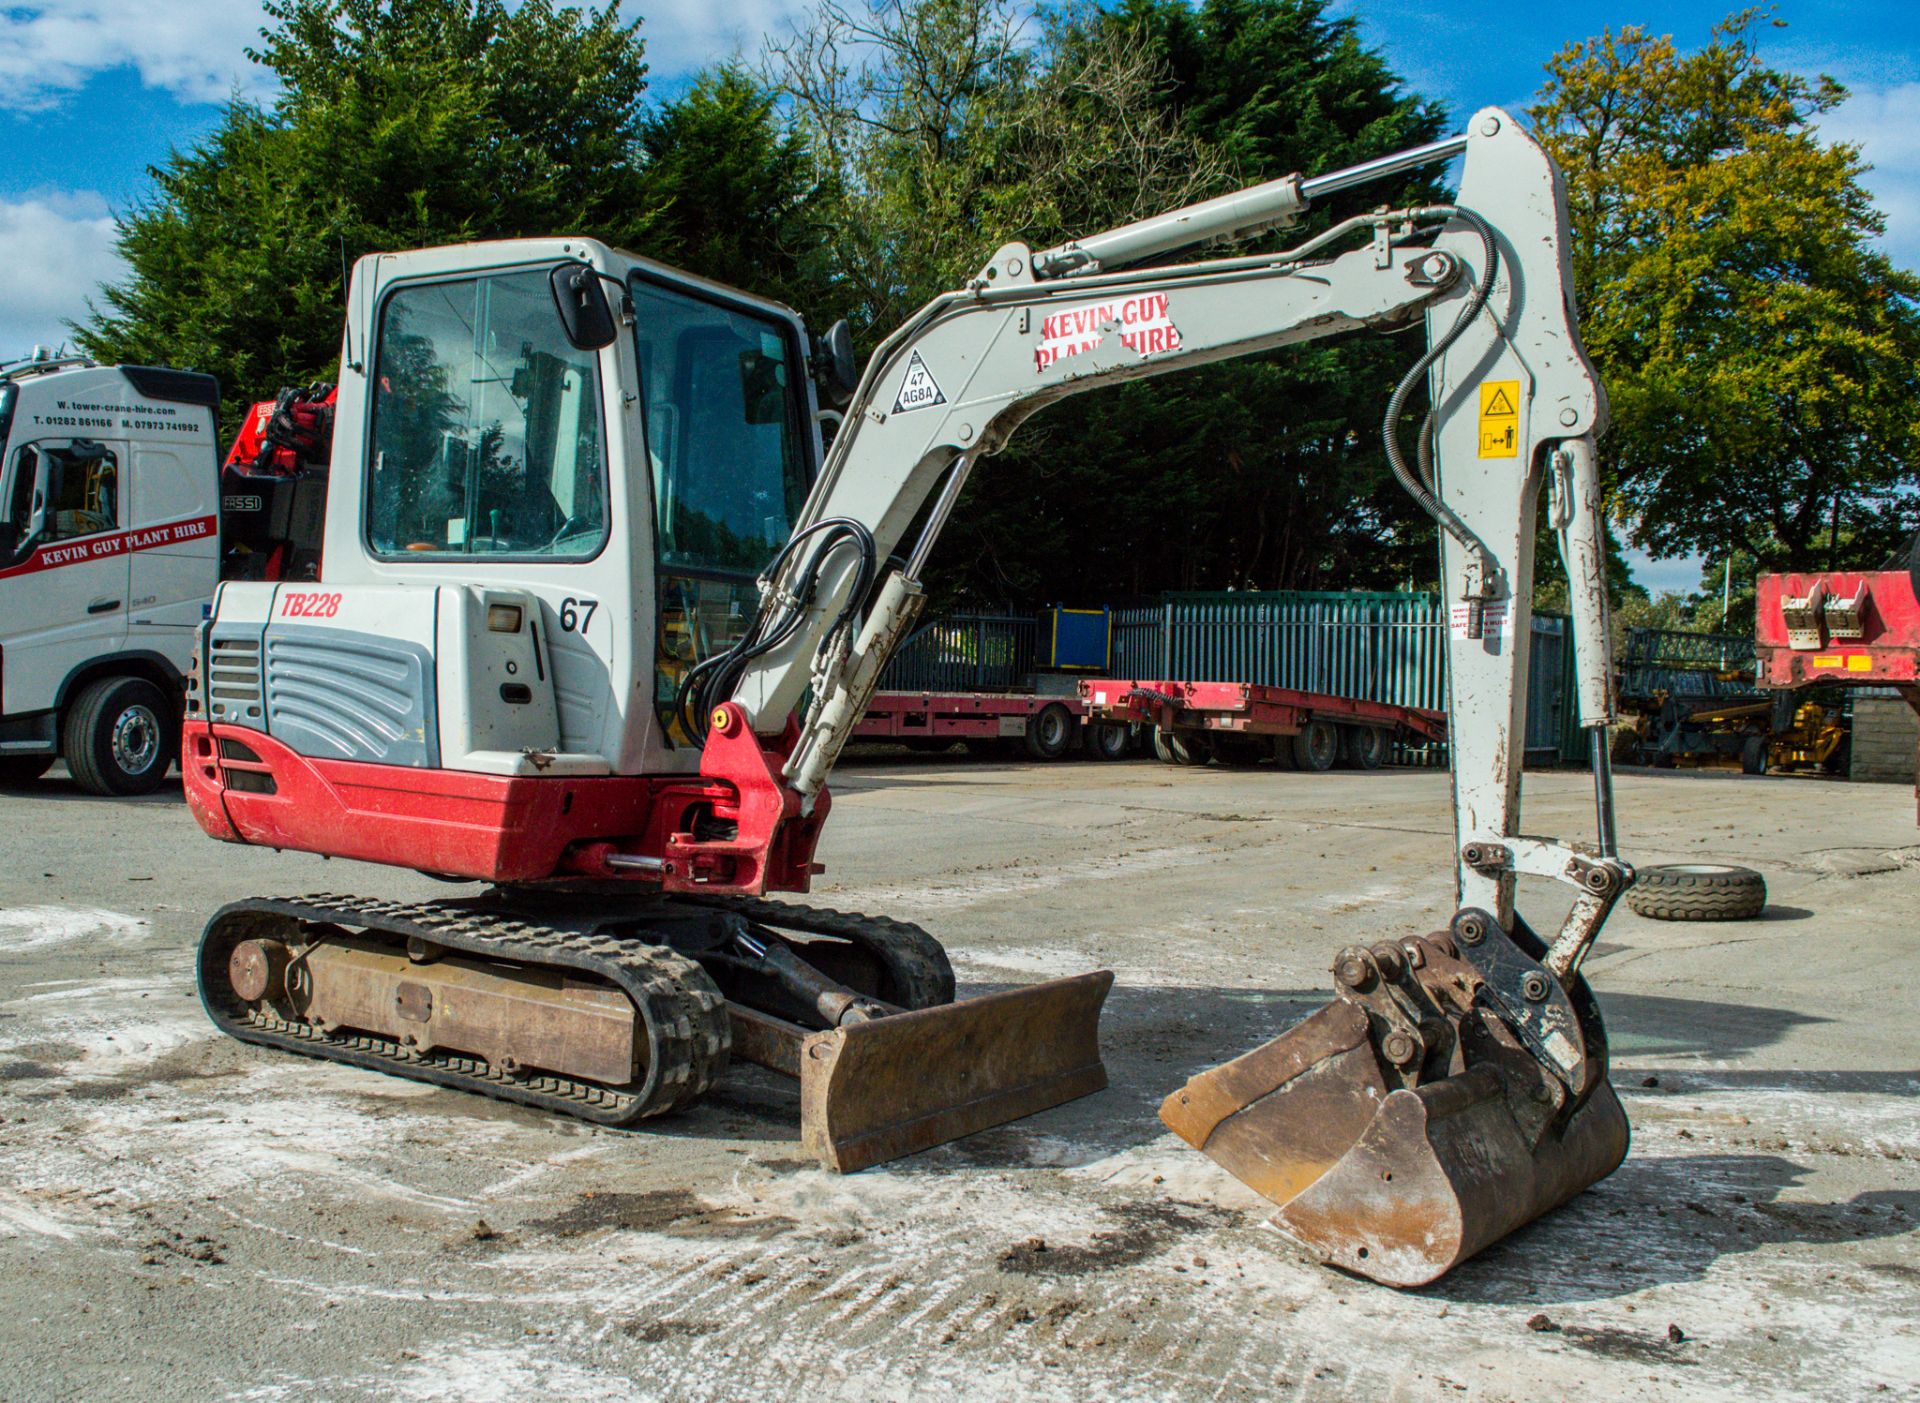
point(1485, 1026)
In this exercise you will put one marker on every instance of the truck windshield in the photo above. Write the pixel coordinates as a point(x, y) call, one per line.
point(726, 435)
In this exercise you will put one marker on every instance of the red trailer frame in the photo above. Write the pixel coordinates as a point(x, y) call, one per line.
point(1217, 710)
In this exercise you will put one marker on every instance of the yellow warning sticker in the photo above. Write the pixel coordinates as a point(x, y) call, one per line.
point(1859, 662)
point(1500, 419)
point(1826, 660)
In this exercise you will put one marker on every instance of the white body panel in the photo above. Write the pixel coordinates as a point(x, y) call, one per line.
point(105, 584)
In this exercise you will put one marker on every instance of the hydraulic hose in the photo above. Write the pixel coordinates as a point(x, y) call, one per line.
point(1416, 483)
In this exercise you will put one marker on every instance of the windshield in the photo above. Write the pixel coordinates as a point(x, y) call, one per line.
point(9, 392)
point(486, 425)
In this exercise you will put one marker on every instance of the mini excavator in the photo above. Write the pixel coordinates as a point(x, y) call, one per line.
point(597, 611)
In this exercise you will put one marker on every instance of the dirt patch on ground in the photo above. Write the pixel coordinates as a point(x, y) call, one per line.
point(1145, 1229)
point(656, 1210)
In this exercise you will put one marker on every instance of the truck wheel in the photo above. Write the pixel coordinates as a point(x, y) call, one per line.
point(1109, 742)
point(1317, 746)
point(1753, 755)
point(1180, 747)
point(1365, 747)
point(1050, 732)
point(1698, 891)
point(18, 770)
point(118, 736)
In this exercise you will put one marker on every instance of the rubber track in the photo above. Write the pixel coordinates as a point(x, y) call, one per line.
point(915, 960)
point(681, 1009)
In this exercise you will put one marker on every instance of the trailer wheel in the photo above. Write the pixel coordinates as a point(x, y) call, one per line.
point(1180, 748)
point(1698, 891)
point(1365, 747)
point(1050, 732)
point(1107, 742)
point(1753, 755)
point(118, 737)
point(1317, 746)
point(18, 770)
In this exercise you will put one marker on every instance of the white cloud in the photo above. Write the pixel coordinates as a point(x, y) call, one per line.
point(56, 249)
point(191, 48)
point(1883, 120)
point(683, 35)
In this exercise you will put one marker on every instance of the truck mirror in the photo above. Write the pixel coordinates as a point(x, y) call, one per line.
point(838, 374)
point(581, 301)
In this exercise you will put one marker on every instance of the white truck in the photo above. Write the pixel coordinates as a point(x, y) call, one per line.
point(109, 554)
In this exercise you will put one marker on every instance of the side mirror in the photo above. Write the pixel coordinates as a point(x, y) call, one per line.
point(585, 314)
point(834, 367)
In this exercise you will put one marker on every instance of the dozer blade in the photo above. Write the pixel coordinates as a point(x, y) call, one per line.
point(1399, 1159)
point(892, 1086)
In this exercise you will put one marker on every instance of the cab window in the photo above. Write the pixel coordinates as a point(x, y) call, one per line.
point(486, 425)
point(730, 458)
point(80, 481)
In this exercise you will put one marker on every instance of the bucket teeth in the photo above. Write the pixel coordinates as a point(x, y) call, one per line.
point(1402, 1127)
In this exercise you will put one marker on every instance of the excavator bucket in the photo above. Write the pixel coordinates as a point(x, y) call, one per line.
point(1405, 1125)
point(894, 1085)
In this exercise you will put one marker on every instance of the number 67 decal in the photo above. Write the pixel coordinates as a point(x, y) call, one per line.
point(576, 614)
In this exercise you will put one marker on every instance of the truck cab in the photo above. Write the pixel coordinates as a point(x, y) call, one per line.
point(109, 551)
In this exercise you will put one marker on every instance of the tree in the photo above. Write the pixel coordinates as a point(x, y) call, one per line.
point(949, 136)
point(1763, 360)
point(400, 123)
point(734, 189)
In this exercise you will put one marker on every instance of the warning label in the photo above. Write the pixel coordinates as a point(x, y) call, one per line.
point(1500, 419)
point(1496, 620)
point(918, 390)
point(1145, 324)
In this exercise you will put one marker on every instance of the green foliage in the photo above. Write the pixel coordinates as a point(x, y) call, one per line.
point(950, 137)
point(733, 189)
point(1760, 354)
point(406, 123)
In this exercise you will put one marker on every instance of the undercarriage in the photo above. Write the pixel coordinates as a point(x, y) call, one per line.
point(617, 1008)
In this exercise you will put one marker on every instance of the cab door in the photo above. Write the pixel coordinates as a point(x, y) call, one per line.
point(64, 572)
point(172, 515)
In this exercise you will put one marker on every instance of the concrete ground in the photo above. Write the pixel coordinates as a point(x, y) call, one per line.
point(182, 1217)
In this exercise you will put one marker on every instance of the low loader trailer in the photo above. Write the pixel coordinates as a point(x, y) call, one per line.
point(1243, 723)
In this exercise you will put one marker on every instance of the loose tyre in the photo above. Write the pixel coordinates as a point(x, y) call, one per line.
point(1180, 748)
point(1050, 732)
point(1365, 747)
point(1753, 755)
point(1317, 746)
point(17, 770)
point(119, 736)
point(1109, 742)
point(1698, 891)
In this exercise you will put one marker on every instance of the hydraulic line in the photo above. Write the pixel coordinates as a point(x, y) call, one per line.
point(1417, 483)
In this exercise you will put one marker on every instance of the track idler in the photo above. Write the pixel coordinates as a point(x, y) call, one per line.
point(1421, 1115)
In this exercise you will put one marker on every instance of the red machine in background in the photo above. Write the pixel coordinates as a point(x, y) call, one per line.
point(273, 488)
point(1852, 628)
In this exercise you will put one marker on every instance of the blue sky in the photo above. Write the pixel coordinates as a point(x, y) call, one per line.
point(92, 92)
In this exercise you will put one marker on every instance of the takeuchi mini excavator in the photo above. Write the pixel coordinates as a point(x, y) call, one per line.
point(598, 614)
